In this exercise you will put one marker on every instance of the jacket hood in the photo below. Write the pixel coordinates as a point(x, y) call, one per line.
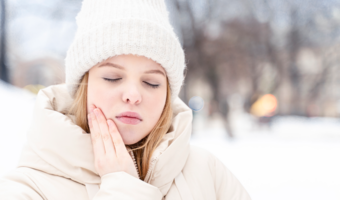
point(57, 146)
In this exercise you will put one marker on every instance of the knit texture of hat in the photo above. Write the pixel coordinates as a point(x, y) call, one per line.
point(107, 28)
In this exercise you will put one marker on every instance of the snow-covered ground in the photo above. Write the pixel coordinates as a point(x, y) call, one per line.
point(271, 168)
point(296, 159)
point(16, 107)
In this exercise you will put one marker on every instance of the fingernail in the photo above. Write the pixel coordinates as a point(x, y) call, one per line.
point(89, 116)
point(96, 111)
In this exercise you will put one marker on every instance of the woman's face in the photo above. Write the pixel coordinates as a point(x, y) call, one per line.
point(129, 83)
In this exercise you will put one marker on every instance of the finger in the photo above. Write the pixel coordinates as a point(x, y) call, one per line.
point(104, 130)
point(89, 122)
point(97, 141)
point(116, 138)
point(91, 108)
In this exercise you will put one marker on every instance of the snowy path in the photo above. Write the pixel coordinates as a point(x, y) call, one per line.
point(281, 170)
point(297, 159)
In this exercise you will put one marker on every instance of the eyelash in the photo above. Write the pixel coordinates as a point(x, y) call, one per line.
point(114, 80)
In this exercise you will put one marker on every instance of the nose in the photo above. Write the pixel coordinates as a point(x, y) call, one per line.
point(132, 95)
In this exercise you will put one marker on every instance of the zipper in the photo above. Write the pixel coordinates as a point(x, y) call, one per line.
point(134, 161)
point(151, 166)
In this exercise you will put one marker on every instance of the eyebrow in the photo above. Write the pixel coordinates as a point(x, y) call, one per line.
point(153, 71)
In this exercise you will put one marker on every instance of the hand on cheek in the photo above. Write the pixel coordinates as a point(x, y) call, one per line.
point(109, 149)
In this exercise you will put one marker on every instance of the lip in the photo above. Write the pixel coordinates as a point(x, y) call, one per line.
point(129, 118)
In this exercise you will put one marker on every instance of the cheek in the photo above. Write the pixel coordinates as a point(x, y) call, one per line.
point(101, 96)
point(156, 105)
point(94, 93)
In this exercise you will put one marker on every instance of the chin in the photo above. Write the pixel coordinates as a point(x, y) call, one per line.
point(130, 142)
point(129, 138)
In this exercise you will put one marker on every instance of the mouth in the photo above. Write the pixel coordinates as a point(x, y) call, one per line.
point(129, 118)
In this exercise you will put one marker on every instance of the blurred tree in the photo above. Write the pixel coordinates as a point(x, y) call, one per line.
point(258, 50)
point(40, 33)
point(3, 64)
point(196, 18)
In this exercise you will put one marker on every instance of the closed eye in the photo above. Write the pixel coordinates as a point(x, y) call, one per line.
point(114, 80)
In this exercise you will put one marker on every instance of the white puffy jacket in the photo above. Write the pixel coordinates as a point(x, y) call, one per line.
point(58, 163)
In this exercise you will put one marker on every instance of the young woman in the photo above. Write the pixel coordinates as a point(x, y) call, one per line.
point(117, 129)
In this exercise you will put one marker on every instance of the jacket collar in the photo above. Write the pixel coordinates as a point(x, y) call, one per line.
point(57, 146)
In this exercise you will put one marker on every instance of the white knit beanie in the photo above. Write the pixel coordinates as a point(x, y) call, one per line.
point(107, 28)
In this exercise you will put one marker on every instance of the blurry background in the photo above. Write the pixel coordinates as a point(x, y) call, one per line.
point(268, 73)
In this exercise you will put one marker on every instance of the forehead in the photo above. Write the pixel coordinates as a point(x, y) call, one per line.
point(134, 63)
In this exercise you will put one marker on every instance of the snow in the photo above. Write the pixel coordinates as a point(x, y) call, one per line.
point(270, 168)
point(16, 107)
point(297, 158)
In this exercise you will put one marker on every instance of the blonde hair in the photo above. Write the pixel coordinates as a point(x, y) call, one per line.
point(143, 149)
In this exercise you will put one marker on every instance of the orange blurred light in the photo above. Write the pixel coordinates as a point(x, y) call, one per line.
point(264, 106)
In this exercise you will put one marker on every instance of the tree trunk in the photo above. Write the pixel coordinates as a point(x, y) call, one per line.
point(3, 67)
